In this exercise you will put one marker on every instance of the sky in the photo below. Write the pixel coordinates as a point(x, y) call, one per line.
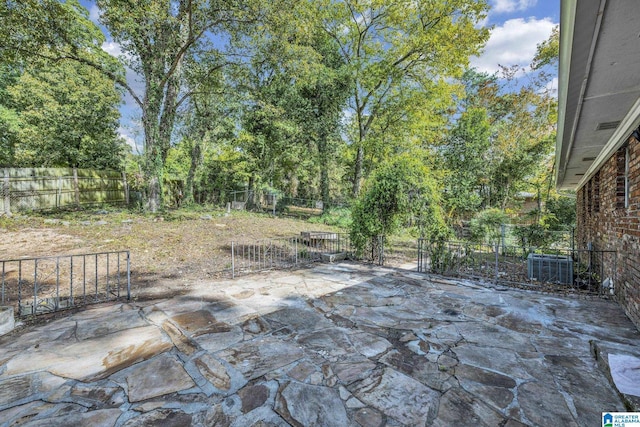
point(517, 27)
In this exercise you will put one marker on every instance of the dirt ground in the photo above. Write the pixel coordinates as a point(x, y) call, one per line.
point(168, 252)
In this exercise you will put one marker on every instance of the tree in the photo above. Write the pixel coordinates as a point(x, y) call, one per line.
point(547, 52)
point(391, 44)
point(465, 158)
point(160, 39)
point(52, 30)
point(295, 85)
point(67, 116)
point(9, 123)
point(397, 192)
point(325, 97)
point(44, 34)
point(501, 137)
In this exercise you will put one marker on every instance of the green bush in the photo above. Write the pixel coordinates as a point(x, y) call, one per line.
point(533, 235)
point(486, 226)
point(397, 192)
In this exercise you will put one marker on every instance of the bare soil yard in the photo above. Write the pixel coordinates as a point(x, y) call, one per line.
point(169, 252)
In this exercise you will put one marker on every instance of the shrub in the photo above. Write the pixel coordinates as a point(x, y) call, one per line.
point(397, 191)
point(486, 226)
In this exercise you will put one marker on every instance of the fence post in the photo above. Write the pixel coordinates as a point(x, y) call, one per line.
point(5, 189)
point(497, 247)
point(76, 187)
point(128, 276)
point(126, 188)
point(274, 204)
point(59, 192)
point(233, 261)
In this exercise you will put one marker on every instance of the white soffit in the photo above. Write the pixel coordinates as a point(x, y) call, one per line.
point(599, 85)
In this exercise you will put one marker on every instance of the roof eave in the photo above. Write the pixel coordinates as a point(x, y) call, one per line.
point(567, 26)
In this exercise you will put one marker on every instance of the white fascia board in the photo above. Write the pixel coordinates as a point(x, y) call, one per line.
point(567, 25)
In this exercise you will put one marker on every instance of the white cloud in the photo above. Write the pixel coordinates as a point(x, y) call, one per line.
point(112, 48)
point(513, 43)
point(136, 147)
point(510, 6)
point(94, 13)
point(129, 140)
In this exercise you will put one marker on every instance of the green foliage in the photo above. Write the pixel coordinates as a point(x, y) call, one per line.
point(402, 54)
point(548, 51)
point(34, 30)
point(558, 216)
point(338, 217)
point(533, 235)
point(397, 192)
point(486, 225)
point(309, 98)
point(502, 138)
point(66, 115)
point(58, 103)
point(560, 213)
point(465, 157)
point(163, 41)
point(295, 92)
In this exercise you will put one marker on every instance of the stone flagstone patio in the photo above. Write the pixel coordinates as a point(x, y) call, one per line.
point(333, 345)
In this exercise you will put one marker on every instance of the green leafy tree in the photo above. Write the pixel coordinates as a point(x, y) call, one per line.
point(465, 160)
point(34, 30)
point(395, 44)
point(9, 119)
point(48, 35)
point(324, 98)
point(486, 226)
point(161, 39)
point(397, 192)
point(296, 87)
point(67, 116)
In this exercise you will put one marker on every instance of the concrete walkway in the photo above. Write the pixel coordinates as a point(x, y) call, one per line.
point(334, 345)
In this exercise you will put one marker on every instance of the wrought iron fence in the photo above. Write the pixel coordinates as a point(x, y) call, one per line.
point(583, 270)
point(249, 257)
point(42, 285)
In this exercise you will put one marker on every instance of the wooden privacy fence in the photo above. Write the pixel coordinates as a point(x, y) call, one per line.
point(25, 189)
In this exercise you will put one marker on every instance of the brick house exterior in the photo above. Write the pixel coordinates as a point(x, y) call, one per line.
point(598, 139)
point(608, 219)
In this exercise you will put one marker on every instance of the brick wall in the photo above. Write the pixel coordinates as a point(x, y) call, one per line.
point(610, 222)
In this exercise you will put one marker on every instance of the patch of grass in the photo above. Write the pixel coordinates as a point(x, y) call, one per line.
point(336, 217)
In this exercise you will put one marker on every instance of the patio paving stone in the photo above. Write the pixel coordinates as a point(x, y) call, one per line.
point(331, 345)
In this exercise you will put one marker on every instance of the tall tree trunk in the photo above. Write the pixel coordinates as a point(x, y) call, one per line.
point(251, 194)
point(357, 175)
point(152, 164)
point(196, 153)
point(324, 168)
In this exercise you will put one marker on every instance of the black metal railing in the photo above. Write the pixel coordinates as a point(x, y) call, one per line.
point(585, 270)
point(46, 284)
point(282, 253)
